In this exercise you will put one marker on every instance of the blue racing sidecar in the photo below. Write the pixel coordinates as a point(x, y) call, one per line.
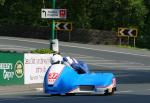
point(62, 79)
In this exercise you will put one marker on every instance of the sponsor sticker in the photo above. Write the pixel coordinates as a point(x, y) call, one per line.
point(19, 69)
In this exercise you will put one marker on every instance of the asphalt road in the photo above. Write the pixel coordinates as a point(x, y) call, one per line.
point(130, 66)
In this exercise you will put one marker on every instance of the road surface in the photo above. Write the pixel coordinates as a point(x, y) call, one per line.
point(130, 66)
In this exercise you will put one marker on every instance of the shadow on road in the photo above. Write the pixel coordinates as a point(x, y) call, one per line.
point(117, 98)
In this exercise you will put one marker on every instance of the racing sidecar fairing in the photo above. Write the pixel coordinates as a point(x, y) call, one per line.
point(61, 79)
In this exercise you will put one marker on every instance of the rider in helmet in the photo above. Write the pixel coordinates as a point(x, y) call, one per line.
point(56, 59)
point(79, 66)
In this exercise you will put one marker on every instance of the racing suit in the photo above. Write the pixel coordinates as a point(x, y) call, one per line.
point(79, 66)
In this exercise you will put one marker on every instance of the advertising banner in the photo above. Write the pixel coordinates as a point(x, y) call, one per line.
point(11, 68)
point(35, 66)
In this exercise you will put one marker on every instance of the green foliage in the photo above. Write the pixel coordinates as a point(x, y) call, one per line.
point(43, 51)
point(96, 14)
point(2, 2)
point(118, 13)
point(143, 40)
point(93, 14)
point(21, 12)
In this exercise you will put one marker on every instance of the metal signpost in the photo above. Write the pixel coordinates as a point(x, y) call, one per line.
point(53, 14)
point(53, 28)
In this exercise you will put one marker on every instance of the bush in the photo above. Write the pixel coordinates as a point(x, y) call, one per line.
point(43, 51)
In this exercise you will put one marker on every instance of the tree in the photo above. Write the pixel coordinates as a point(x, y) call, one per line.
point(77, 11)
point(2, 2)
point(117, 13)
point(22, 12)
point(86, 14)
point(144, 39)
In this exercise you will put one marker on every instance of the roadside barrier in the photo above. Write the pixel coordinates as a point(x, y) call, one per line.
point(20, 68)
point(11, 68)
point(35, 67)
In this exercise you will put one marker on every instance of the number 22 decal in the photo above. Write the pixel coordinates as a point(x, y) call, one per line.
point(53, 76)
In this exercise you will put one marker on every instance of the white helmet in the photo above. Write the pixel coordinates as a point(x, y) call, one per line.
point(56, 59)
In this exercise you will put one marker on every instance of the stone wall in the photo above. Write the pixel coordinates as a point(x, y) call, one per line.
point(77, 35)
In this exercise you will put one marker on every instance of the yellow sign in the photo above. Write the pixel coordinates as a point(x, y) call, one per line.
point(63, 26)
point(127, 32)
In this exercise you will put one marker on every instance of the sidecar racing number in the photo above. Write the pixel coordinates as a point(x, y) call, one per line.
point(54, 73)
point(52, 77)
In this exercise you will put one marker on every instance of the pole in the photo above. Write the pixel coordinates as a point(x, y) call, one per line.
point(120, 41)
point(53, 28)
point(69, 36)
point(134, 41)
point(128, 40)
point(43, 3)
point(53, 22)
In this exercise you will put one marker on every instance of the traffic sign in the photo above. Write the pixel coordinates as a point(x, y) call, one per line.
point(54, 13)
point(63, 26)
point(127, 32)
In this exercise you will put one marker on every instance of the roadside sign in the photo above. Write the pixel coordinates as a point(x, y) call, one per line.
point(127, 32)
point(54, 13)
point(35, 67)
point(63, 26)
point(11, 68)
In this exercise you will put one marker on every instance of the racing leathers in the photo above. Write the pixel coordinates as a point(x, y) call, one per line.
point(79, 66)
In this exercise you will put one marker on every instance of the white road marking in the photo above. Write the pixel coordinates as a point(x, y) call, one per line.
point(107, 51)
point(34, 41)
point(128, 91)
point(122, 67)
point(111, 63)
point(21, 39)
point(129, 66)
point(83, 56)
point(87, 57)
point(12, 45)
point(96, 60)
point(15, 47)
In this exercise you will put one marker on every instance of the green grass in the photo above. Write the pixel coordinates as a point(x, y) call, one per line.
point(43, 51)
point(130, 47)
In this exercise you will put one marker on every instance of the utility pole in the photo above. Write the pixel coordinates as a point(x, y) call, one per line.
point(53, 27)
point(43, 3)
point(53, 22)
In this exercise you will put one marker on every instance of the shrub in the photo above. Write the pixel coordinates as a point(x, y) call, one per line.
point(43, 51)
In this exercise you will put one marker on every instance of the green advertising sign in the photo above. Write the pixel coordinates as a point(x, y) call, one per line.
point(11, 68)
